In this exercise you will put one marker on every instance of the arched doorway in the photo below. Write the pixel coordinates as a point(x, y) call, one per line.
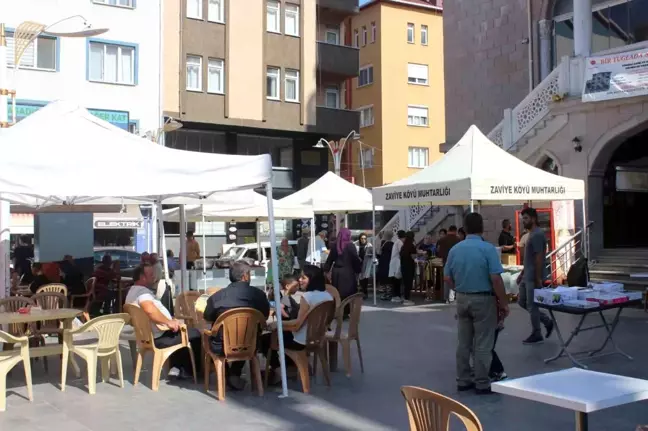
point(548, 164)
point(625, 194)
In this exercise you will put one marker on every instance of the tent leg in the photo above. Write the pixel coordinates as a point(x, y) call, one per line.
point(312, 240)
point(204, 248)
point(472, 206)
point(277, 292)
point(373, 246)
point(258, 240)
point(183, 249)
point(162, 242)
point(5, 220)
point(585, 239)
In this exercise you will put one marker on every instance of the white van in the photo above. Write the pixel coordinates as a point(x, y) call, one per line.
point(248, 252)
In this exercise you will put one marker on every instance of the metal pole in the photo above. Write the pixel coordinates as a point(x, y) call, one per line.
point(277, 291)
point(5, 216)
point(258, 239)
point(585, 245)
point(337, 160)
point(204, 247)
point(183, 248)
point(312, 239)
point(373, 245)
point(160, 231)
point(472, 206)
point(581, 421)
point(582, 28)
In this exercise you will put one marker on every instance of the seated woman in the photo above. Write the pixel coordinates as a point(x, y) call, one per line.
point(294, 335)
point(40, 279)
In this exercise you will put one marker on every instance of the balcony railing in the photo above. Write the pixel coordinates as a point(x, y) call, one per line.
point(339, 60)
point(336, 123)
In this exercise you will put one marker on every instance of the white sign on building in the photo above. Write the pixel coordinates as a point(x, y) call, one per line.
point(616, 76)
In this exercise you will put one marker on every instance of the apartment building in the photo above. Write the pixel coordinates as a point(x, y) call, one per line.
point(260, 76)
point(399, 91)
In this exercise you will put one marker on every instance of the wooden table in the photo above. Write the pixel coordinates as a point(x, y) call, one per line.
point(66, 315)
point(582, 391)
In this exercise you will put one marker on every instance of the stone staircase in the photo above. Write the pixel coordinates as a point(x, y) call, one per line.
point(617, 265)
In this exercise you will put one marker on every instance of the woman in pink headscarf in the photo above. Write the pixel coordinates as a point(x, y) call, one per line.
point(345, 264)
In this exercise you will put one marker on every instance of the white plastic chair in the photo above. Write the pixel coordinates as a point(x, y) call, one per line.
point(105, 346)
point(9, 359)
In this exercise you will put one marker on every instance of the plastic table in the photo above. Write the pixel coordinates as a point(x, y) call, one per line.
point(584, 312)
point(582, 391)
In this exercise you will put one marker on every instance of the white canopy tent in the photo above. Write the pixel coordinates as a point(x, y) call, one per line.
point(477, 170)
point(55, 156)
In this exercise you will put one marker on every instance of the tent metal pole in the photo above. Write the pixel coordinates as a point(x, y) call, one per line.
point(277, 292)
point(472, 206)
point(373, 246)
point(162, 242)
point(258, 240)
point(312, 239)
point(204, 247)
point(183, 248)
point(585, 239)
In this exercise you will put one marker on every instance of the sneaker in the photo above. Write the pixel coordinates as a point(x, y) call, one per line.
point(408, 302)
point(396, 300)
point(549, 328)
point(534, 339)
point(174, 372)
point(498, 377)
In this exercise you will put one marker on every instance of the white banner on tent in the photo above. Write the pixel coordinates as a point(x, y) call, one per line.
point(616, 76)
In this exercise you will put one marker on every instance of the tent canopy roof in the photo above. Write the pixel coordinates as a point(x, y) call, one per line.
point(476, 169)
point(244, 206)
point(331, 193)
point(63, 154)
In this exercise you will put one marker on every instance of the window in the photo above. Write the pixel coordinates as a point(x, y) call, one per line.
point(40, 54)
point(410, 33)
point(366, 116)
point(273, 12)
point(364, 35)
point(417, 73)
point(216, 11)
point(356, 38)
point(332, 35)
point(373, 32)
point(365, 77)
point(122, 3)
point(424, 35)
point(194, 9)
point(417, 116)
point(272, 83)
point(417, 157)
point(111, 63)
point(332, 97)
point(292, 20)
point(292, 85)
point(194, 73)
point(215, 76)
point(366, 158)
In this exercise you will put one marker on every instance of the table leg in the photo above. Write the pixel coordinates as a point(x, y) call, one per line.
point(119, 299)
point(581, 421)
point(333, 356)
point(565, 344)
point(610, 331)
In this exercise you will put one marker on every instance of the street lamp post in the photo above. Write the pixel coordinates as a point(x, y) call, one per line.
point(24, 35)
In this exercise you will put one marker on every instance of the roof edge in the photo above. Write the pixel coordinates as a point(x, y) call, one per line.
point(402, 3)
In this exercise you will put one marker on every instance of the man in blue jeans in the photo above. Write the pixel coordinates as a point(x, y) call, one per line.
point(474, 271)
point(533, 275)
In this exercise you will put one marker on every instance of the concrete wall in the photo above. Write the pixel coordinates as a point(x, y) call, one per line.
point(139, 25)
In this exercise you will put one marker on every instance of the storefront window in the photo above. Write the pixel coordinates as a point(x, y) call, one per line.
point(614, 24)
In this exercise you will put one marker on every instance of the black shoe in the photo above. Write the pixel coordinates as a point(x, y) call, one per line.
point(498, 377)
point(484, 391)
point(534, 339)
point(464, 388)
point(549, 328)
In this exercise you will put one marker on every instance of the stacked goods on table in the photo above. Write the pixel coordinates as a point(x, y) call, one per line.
point(590, 297)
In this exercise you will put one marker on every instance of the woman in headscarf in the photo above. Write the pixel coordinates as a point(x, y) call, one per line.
point(286, 259)
point(345, 264)
point(382, 274)
point(365, 253)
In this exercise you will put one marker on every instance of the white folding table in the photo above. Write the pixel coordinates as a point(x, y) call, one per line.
point(582, 391)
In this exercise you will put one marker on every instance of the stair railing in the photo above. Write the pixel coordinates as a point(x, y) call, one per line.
point(571, 251)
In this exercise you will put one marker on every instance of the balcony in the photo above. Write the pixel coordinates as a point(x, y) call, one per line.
point(338, 61)
point(346, 7)
point(336, 123)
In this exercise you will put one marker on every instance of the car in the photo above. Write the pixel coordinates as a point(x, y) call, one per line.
point(248, 252)
point(128, 259)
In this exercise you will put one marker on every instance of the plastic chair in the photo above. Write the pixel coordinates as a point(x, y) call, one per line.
point(104, 348)
point(11, 305)
point(317, 320)
point(8, 360)
point(87, 298)
point(146, 343)
point(185, 308)
point(332, 290)
point(240, 330)
point(429, 411)
point(50, 301)
point(345, 337)
point(53, 288)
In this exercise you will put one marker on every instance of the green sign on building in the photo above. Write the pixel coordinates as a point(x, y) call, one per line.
point(116, 118)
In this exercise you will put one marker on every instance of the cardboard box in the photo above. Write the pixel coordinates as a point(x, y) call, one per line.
point(607, 287)
point(555, 296)
point(607, 298)
point(578, 303)
point(509, 259)
point(584, 293)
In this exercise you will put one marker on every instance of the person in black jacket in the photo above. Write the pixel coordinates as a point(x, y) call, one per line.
point(345, 264)
point(238, 294)
point(382, 274)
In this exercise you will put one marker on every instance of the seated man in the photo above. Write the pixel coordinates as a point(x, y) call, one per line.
point(238, 294)
point(165, 328)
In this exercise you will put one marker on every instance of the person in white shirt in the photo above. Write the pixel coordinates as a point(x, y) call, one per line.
point(166, 329)
point(395, 267)
point(320, 246)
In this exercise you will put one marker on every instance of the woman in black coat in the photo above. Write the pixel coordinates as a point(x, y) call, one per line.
point(382, 274)
point(345, 264)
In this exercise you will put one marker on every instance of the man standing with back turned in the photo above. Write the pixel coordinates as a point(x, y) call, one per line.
point(474, 270)
point(533, 275)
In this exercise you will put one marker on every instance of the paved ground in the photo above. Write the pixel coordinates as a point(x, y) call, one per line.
point(401, 346)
